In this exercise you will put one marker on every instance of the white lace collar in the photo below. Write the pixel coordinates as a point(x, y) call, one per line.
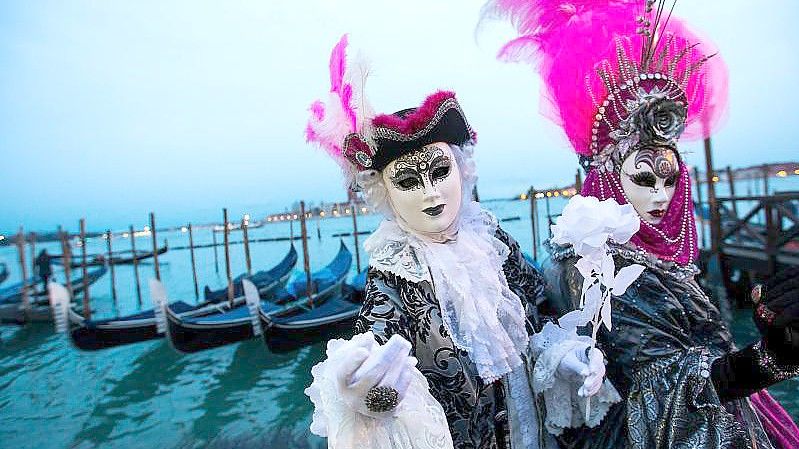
point(390, 250)
point(479, 311)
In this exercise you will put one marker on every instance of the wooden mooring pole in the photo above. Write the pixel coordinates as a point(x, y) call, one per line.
point(244, 225)
point(26, 305)
point(355, 236)
point(216, 254)
point(772, 234)
point(533, 221)
point(110, 262)
point(66, 257)
point(306, 260)
point(715, 219)
point(87, 311)
point(227, 259)
point(699, 202)
point(731, 181)
point(193, 264)
point(719, 274)
point(32, 243)
point(549, 215)
point(155, 246)
point(135, 264)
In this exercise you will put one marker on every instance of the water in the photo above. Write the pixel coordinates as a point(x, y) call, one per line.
point(147, 396)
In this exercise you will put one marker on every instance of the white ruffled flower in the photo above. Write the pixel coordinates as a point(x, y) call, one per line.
point(587, 223)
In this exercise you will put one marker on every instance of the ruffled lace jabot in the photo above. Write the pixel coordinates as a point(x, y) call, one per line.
point(479, 311)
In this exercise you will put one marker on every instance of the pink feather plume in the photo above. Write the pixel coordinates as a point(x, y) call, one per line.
point(346, 110)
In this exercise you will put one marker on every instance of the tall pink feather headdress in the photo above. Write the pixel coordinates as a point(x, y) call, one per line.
point(619, 75)
point(601, 59)
point(347, 110)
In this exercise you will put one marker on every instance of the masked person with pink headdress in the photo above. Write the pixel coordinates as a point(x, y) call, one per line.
point(626, 80)
point(442, 355)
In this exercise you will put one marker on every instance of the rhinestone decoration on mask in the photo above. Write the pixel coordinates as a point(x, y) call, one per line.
point(621, 76)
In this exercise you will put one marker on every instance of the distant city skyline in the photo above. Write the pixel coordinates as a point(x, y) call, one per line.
point(115, 109)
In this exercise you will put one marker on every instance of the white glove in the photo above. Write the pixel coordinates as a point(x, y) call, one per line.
point(589, 371)
point(371, 365)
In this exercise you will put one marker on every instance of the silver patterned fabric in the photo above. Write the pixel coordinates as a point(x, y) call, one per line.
point(476, 411)
point(666, 334)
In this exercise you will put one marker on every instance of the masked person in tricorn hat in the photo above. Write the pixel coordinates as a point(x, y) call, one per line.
point(442, 357)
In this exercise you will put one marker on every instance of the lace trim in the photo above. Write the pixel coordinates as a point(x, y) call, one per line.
point(564, 407)
point(389, 250)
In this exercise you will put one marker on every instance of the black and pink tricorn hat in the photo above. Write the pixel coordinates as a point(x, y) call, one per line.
point(438, 119)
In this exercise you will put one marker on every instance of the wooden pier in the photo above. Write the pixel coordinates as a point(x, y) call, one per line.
point(754, 236)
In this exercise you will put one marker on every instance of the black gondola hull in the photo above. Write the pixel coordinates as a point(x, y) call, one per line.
point(92, 339)
point(284, 335)
point(281, 340)
point(188, 338)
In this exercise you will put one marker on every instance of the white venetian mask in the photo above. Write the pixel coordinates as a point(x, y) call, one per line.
point(424, 188)
point(648, 179)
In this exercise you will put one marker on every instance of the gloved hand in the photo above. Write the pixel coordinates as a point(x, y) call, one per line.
point(588, 369)
point(371, 365)
point(777, 314)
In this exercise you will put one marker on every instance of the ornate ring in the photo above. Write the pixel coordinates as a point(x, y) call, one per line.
point(757, 293)
point(381, 399)
point(765, 314)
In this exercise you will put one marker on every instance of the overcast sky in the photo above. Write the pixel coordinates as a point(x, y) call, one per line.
point(110, 109)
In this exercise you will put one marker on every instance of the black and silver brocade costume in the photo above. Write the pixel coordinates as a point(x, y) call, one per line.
point(666, 334)
point(394, 305)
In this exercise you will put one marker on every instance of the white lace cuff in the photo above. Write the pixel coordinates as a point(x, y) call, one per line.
point(564, 407)
point(418, 422)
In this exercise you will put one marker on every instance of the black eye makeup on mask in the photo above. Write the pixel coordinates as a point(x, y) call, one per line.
point(643, 179)
point(440, 168)
point(406, 179)
point(409, 170)
point(671, 181)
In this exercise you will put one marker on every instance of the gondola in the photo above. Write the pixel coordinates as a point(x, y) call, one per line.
point(11, 310)
point(267, 281)
point(331, 319)
point(117, 259)
point(3, 272)
point(92, 335)
point(230, 325)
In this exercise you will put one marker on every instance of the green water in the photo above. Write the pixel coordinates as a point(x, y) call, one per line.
point(148, 396)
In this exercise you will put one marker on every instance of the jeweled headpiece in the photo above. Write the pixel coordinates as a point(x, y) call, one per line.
point(358, 140)
point(620, 75)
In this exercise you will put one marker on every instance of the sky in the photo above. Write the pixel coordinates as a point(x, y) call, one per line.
point(112, 109)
